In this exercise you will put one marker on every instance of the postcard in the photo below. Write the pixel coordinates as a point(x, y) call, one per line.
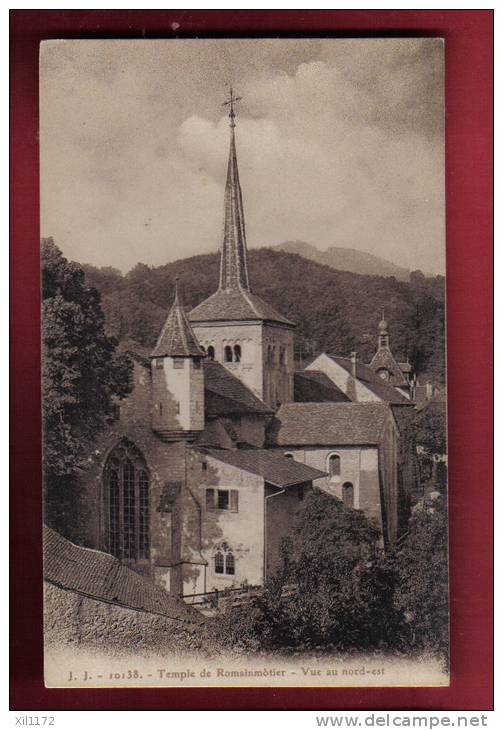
point(244, 373)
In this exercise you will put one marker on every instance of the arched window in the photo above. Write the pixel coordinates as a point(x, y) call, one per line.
point(127, 502)
point(348, 494)
point(229, 563)
point(237, 353)
point(224, 561)
point(211, 352)
point(219, 562)
point(334, 465)
point(228, 353)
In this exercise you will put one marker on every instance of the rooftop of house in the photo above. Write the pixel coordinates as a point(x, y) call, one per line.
point(100, 576)
point(314, 386)
point(376, 384)
point(275, 469)
point(229, 305)
point(328, 424)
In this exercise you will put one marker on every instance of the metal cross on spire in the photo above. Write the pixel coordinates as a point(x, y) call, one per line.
point(230, 103)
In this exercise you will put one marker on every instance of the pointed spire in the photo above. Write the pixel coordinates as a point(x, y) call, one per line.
point(233, 263)
point(177, 338)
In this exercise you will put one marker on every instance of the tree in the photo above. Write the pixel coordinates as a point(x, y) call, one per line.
point(343, 593)
point(422, 588)
point(82, 371)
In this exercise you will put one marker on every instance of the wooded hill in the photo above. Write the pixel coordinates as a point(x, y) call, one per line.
point(336, 311)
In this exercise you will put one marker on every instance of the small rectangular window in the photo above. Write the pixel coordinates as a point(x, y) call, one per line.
point(159, 362)
point(177, 406)
point(210, 499)
point(197, 363)
point(223, 499)
point(204, 465)
point(234, 500)
point(178, 362)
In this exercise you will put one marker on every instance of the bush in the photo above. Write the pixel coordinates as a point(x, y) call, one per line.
point(422, 572)
point(343, 587)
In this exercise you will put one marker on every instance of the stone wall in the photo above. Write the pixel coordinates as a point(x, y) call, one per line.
point(75, 620)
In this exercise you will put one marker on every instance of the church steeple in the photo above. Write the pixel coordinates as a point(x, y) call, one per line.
point(233, 263)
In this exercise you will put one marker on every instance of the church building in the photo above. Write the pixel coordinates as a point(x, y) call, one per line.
point(200, 477)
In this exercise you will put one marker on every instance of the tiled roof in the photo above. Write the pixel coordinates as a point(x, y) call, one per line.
point(177, 338)
point(314, 386)
point(222, 384)
point(236, 305)
point(274, 468)
point(328, 424)
point(384, 359)
point(101, 576)
point(376, 384)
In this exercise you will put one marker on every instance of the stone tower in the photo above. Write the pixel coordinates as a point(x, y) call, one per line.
point(177, 378)
point(236, 327)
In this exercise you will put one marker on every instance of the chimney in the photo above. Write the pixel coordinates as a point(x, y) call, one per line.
point(353, 364)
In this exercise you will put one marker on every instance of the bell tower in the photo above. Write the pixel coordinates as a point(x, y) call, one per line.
point(177, 408)
point(237, 328)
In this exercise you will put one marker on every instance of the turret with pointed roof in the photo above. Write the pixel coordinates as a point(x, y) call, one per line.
point(177, 378)
point(236, 327)
point(177, 338)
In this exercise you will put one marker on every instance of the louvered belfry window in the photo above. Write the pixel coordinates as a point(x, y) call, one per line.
point(127, 495)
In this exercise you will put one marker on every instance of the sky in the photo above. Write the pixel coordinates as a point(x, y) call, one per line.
point(339, 143)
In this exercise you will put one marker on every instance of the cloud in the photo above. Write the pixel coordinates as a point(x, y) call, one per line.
point(342, 146)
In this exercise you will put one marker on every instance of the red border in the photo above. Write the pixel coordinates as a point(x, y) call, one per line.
point(469, 84)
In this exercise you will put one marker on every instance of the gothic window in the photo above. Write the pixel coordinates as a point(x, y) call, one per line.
point(229, 563)
point(219, 562)
point(228, 353)
point(127, 501)
point(237, 353)
point(211, 352)
point(224, 561)
point(334, 465)
point(348, 494)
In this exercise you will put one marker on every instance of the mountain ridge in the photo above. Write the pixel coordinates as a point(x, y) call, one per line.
point(346, 259)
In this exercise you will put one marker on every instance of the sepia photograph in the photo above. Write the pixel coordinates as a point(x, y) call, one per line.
point(244, 363)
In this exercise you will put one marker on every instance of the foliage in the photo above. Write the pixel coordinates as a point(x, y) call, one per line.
point(343, 596)
point(430, 428)
point(82, 370)
point(422, 586)
point(336, 311)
